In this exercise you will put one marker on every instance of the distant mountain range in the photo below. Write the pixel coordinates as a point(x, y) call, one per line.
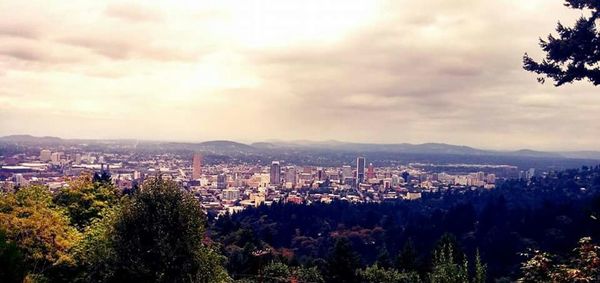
point(225, 146)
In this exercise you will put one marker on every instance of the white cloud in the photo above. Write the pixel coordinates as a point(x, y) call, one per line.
point(378, 71)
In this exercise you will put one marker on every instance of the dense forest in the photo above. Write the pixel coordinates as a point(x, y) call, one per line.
point(550, 213)
point(538, 230)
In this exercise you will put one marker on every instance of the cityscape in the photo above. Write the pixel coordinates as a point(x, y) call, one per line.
point(286, 141)
point(230, 187)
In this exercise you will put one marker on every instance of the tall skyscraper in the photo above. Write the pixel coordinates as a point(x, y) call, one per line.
point(290, 175)
point(347, 171)
point(347, 175)
point(360, 170)
point(45, 155)
point(221, 181)
point(320, 174)
point(275, 173)
point(197, 166)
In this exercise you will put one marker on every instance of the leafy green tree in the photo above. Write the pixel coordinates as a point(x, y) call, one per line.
point(156, 236)
point(38, 228)
point(308, 274)
point(276, 272)
point(376, 274)
point(588, 260)
point(584, 266)
point(538, 268)
point(575, 54)
point(84, 199)
point(342, 262)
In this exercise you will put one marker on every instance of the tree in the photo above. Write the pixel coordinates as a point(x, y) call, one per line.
point(156, 236)
point(342, 262)
point(480, 269)
point(12, 264)
point(584, 266)
point(376, 274)
point(587, 261)
point(575, 54)
point(407, 258)
point(383, 258)
point(85, 198)
point(277, 272)
point(538, 268)
point(40, 230)
point(308, 274)
point(446, 268)
point(449, 243)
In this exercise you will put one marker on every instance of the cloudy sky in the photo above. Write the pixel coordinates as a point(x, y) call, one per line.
point(364, 71)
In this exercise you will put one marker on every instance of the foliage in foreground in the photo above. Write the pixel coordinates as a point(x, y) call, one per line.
point(582, 266)
point(575, 54)
point(90, 233)
point(156, 236)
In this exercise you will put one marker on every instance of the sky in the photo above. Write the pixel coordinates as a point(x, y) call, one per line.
point(359, 71)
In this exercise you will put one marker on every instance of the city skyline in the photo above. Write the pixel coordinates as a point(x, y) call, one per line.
point(248, 71)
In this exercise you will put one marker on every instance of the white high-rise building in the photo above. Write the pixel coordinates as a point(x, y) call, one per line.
point(45, 155)
point(55, 157)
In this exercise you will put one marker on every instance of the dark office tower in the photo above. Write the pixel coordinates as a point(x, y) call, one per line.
point(221, 181)
point(275, 173)
point(360, 170)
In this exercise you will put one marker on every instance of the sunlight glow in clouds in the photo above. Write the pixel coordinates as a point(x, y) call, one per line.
point(373, 71)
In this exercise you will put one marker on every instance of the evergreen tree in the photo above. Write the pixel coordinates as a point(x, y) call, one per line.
point(575, 54)
point(480, 269)
point(445, 267)
point(342, 262)
point(407, 258)
point(383, 258)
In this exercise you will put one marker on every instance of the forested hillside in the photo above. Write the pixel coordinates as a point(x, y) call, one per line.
point(550, 213)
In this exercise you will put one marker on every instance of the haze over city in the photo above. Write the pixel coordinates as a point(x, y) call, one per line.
point(359, 71)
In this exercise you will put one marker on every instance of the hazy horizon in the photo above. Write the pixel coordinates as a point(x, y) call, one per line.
point(356, 71)
point(299, 141)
